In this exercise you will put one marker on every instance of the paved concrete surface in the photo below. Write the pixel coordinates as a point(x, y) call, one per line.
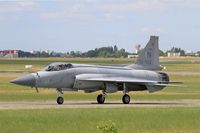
point(90, 104)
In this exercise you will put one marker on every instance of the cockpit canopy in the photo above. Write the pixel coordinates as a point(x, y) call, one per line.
point(58, 66)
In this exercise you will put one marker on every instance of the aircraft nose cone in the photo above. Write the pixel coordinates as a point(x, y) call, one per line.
point(27, 80)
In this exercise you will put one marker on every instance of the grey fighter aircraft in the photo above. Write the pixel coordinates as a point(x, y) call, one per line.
point(143, 75)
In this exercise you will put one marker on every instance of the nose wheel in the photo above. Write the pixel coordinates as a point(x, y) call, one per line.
point(60, 100)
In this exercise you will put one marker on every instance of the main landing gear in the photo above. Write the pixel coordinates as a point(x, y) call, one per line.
point(125, 99)
point(60, 100)
point(101, 98)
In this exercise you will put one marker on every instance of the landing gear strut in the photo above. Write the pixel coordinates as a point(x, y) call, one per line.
point(126, 98)
point(60, 100)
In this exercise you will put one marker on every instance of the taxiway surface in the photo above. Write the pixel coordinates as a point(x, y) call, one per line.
point(91, 104)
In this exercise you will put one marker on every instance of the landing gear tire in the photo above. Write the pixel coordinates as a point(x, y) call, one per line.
point(100, 99)
point(60, 100)
point(126, 99)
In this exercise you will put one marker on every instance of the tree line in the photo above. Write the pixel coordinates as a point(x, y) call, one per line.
point(105, 52)
point(102, 52)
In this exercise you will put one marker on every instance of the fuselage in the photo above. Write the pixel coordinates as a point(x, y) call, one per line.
point(66, 78)
point(59, 75)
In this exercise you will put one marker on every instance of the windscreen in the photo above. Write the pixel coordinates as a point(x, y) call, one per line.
point(58, 67)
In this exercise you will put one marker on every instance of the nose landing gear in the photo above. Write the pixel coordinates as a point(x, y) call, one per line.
point(60, 100)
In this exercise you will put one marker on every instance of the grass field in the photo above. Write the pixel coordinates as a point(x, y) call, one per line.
point(85, 120)
point(73, 120)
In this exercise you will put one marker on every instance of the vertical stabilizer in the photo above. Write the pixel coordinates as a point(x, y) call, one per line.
point(148, 59)
point(150, 54)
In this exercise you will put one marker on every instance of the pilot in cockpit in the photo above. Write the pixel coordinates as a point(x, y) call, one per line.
point(58, 67)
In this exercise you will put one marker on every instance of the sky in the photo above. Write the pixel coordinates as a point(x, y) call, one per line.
point(81, 25)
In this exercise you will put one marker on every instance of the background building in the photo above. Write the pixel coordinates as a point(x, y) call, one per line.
point(9, 53)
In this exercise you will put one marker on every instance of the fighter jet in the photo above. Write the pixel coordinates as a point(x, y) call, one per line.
point(141, 76)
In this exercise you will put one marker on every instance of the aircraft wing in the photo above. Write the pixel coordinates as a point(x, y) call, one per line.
point(118, 79)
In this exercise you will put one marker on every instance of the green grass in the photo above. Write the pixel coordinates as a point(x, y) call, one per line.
point(176, 67)
point(85, 120)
